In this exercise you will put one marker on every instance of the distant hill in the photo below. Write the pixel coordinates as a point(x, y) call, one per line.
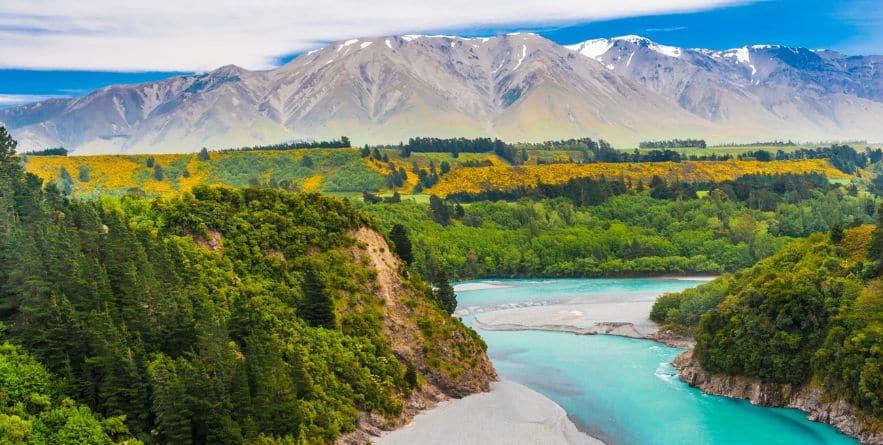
point(516, 87)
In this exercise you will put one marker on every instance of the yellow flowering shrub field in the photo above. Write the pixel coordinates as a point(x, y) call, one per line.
point(474, 180)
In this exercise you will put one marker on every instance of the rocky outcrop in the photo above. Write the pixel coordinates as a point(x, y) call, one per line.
point(807, 398)
point(455, 365)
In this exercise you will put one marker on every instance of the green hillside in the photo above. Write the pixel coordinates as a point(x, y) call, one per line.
point(812, 313)
point(221, 316)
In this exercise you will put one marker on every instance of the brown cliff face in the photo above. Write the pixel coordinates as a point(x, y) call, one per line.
point(807, 398)
point(450, 357)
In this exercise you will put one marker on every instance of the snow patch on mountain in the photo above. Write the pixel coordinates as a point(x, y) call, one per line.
point(521, 59)
point(347, 43)
point(593, 49)
point(597, 48)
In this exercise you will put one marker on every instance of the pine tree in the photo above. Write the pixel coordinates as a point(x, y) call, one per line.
point(444, 292)
point(317, 308)
point(168, 402)
point(7, 146)
point(203, 155)
point(402, 243)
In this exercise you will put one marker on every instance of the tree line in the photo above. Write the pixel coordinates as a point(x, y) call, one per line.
point(343, 142)
point(674, 143)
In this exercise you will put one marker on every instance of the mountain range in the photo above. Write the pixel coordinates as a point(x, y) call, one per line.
point(519, 87)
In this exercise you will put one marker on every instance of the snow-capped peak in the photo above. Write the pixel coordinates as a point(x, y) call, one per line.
point(632, 38)
point(412, 37)
point(596, 48)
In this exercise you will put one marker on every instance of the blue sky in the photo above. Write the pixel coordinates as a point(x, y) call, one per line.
point(47, 52)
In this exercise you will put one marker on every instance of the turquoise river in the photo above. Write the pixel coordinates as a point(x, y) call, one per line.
point(623, 390)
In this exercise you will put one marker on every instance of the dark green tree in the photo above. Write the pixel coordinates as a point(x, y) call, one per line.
point(168, 402)
point(836, 233)
point(7, 146)
point(317, 308)
point(411, 376)
point(438, 210)
point(444, 292)
point(459, 211)
point(203, 155)
point(402, 243)
point(158, 172)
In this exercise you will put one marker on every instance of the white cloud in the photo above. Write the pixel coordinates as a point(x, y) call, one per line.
point(193, 35)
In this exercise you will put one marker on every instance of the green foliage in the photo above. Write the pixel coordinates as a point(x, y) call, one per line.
point(683, 310)
point(401, 243)
point(59, 151)
point(158, 172)
point(182, 315)
point(355, 176)
point(317, 308)
point(444, 292)
point(674, 143)
point(836, 233)
point(631, 234)
point(34, 410)
point(342, 170)
point(438, 210)
point(7, 146)
point(802, 315)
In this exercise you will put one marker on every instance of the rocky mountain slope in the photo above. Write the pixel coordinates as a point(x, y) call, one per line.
point(755, 91)
point(517, 87)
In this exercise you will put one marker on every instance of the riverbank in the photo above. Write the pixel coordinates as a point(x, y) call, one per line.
point(807, 398)
point(509, 413)
point(628, 316)
point(625, 315)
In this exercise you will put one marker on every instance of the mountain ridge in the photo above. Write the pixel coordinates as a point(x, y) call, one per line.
point(517, 87)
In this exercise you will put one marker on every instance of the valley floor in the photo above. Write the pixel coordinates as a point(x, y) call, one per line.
point(509, 413)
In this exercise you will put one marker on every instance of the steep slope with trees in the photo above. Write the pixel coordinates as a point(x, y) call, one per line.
point(802, 328)
point(221, 316)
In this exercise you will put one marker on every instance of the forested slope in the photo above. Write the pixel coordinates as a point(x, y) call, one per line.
point(809, 316)
point(221, 316)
